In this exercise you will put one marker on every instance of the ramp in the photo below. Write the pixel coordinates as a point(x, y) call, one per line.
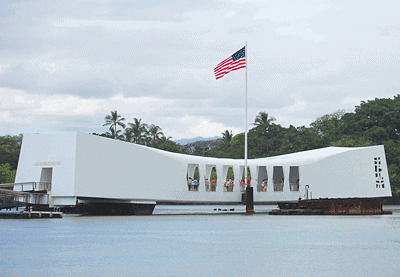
point(27, 194)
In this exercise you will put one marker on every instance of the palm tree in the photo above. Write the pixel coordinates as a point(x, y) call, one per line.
point(227, 138)
point(138, 130)
point(165, 139)
point(155, 133)
point(114, 135)
point(262, 123)
point(128, 135)
point(113, 120)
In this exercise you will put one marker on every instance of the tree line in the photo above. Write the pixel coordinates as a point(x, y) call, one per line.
point(373, 122)
point(137, 132)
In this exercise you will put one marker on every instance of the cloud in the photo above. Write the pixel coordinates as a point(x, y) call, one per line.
point(67, 66)
point(302, 31)
point(204, 126)
point(69, 106)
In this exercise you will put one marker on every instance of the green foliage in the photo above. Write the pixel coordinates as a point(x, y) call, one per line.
point(10, 147)
point(114, 119)
point(138, 130)
point(155, 133)
point(329, 125)
point(7, 174)
point(139, 133)
point(351, 141)
point(230, 174)
point(213, 174)
point(169, 146)
point(227, 139)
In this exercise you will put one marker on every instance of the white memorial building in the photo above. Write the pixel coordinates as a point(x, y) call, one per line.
point(84, 168)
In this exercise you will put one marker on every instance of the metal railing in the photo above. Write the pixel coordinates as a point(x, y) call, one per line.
point(278, 187)
point(294, 187)
point(211, 187)
point(27, 186)
point(26, 192)
point(7, 195)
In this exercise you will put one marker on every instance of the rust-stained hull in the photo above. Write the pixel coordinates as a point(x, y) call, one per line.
point(345, 206)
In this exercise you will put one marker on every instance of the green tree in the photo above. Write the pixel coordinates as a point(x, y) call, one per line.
point(329, 126)
point(7, 174)
point(114, 135)
point(10, 146)
point(113, 120)
point(138, 130)
point(168, 145)
point(227, 139)
point(263, 123)
point(154, 132)
point(128, 135)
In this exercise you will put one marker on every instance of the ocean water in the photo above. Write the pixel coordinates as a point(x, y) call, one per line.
point(198, 241)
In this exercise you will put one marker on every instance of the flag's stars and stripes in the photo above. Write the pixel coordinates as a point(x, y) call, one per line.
point(234, 62)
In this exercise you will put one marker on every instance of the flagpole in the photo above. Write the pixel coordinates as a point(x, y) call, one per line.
point(249, 190)
point(245, 132)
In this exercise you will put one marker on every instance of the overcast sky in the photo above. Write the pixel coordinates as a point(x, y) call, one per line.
point(64, 65)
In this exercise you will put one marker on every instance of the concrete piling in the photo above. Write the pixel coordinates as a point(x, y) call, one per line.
point(249, 200)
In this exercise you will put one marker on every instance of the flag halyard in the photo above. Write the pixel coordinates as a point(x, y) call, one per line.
point(234, 62)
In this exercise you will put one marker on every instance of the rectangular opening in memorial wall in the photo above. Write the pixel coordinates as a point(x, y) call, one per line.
point(262, 178)
point(278, 178)
point(294, 178)
point(193, 177)
point(229, 179)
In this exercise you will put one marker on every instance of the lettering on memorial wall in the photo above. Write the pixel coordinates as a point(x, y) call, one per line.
point(47, 163)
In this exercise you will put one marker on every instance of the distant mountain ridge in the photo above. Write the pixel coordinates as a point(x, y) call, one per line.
point(186, 141)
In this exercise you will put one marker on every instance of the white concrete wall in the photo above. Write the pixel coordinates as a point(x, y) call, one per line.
point(109, 168)
point(55, 151)
point(349, 174)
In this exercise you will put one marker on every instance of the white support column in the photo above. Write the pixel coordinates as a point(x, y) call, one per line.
point(253, 173)
point(236, 173)
point(220, 178)
point(191, 169)
point(202, 170)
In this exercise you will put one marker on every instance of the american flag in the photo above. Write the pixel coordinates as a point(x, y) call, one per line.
point(234, 62)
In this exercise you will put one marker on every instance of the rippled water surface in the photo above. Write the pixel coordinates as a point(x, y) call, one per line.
point(198, 241)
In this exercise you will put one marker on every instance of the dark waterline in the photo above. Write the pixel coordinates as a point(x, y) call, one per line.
point(175, 243)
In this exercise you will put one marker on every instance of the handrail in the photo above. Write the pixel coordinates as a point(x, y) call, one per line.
point(28, 196)
point(13, 192)
point(294, 186)
point(35, 185)
point(278, 187)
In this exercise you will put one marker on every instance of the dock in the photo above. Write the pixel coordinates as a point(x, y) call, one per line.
point(30, 214)
point(346, 206)
point(29, 200)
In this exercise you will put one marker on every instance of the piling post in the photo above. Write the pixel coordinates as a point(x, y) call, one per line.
point(249, 200)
